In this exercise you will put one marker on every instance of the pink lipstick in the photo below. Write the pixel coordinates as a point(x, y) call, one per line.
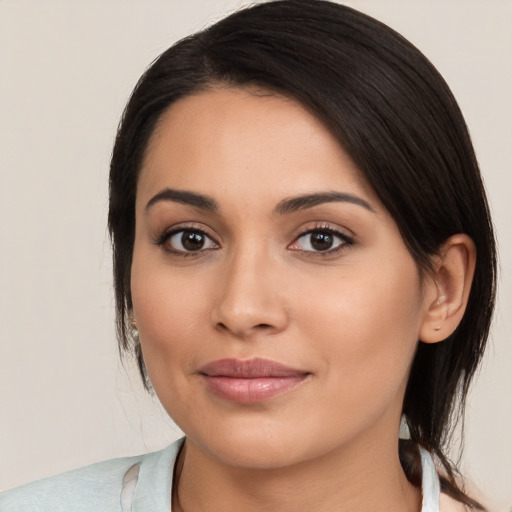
point(250, 381)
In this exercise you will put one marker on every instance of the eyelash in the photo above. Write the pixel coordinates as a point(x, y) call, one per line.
point(167, 235)
point(346, 241)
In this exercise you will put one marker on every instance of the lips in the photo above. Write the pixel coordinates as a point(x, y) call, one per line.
point(250, 381)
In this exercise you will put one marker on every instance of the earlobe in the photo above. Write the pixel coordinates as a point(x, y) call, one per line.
point(447, 290)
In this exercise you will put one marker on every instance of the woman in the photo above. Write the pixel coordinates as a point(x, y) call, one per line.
point(303, 256)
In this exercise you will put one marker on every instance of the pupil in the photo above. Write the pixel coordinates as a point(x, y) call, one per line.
point(192, 241)
point(321, 241)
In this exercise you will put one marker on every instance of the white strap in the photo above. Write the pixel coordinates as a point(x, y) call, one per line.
point(129, 482)
point(430, 488)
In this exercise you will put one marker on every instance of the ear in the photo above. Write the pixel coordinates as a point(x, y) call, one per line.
point(447, 289)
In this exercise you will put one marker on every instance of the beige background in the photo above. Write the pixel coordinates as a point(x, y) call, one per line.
point(67, 67)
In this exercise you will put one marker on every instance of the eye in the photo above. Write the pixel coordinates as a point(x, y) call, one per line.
point(321, 240)
point(187, 241)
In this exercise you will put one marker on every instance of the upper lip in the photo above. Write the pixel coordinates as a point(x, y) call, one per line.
point(249, 369)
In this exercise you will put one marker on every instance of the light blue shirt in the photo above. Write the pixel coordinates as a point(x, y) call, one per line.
point(136, 484)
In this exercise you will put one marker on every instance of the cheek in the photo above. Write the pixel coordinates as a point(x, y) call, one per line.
point(366, 330)
point(169, 312)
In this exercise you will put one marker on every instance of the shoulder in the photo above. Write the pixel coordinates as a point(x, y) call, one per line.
point(92, 488)
point(97, 485)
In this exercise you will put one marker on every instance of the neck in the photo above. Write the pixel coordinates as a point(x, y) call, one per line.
point(354, 479)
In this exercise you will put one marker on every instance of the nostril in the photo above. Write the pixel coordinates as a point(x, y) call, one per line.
point(258, 327)
point(263, 326)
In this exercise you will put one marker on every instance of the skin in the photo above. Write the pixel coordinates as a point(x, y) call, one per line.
point(350, 318)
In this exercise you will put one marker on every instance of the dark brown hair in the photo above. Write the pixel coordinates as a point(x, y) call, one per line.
point(394, 114)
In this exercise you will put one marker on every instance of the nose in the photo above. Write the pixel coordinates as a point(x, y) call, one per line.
point(249, 298)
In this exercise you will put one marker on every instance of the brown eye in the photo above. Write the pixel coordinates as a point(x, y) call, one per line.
point(192, 241)
point(320, 240)
point(189, 240)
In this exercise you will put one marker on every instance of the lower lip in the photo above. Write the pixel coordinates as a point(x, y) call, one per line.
point(254, 390)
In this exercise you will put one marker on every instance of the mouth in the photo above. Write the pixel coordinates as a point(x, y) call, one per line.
point(250, 381)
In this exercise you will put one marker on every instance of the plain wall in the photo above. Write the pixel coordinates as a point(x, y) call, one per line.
point(66, 70)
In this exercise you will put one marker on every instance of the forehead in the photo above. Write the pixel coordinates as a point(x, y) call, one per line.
point(245, 139)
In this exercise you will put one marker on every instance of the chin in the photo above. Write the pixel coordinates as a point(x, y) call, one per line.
point(248, 443)
point(265, 444)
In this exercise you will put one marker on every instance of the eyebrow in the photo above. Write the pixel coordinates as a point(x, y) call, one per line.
point(303, 202)
point(284, 207)
point(184, 197)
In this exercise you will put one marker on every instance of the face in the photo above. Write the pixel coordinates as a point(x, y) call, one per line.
point(277, 305)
